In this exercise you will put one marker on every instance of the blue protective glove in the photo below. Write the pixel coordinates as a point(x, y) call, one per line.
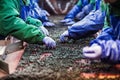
point(110, 50)
point(48, 24)
point(64, 37)
point(92, 52)
point(44, 30)
point(49, 42)
point(67, 22)
point(106, 50)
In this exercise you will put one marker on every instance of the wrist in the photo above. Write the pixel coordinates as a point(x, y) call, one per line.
point(40, 39)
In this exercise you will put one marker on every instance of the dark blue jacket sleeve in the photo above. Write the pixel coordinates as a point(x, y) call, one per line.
point(87, 26)
point(73, 12)
point(37, 12)
point(33, 10)
point(76, 9)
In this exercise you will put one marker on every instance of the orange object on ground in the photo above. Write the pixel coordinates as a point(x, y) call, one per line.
point(99, 75)
point(117, 66)
point(45, 55)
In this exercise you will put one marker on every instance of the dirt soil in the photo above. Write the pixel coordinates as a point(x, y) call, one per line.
point(63, 63)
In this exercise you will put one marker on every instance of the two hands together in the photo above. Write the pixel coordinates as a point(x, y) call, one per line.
point(48, 41)
point(92, 52)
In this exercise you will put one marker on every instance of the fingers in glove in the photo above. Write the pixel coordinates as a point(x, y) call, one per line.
point(49, 24)
point(63, 38)
point(44, 30)
point(92, 52)
point(66, 20)
point(69, 23)
point(51, 45)
point(62, 21)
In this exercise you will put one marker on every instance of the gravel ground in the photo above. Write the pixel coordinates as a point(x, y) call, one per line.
point(63, 63)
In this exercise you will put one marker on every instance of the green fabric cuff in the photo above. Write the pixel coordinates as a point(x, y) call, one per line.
point(26, 2)
point(106, 22)
point(79, 3)
point(33, 21)
point(104, 6)
point(40, 39)
point(92, 1)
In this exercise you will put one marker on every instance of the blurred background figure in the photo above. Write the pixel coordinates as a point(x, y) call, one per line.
point(58, 7)
point(79, 11)
point(45, 8)
point(86, 27)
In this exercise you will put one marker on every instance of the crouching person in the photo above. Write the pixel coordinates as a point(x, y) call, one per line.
point(88, 26)
point(79, 11)
point(29, 30)
point(107, 45)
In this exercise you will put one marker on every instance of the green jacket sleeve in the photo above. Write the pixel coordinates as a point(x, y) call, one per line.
point(79, 3)
point(33, 21)
point(111, 9)
point(92, 1)
point(11, 24)
point(105, 7)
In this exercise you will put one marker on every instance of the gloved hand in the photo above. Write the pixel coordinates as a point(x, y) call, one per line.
point(48, 24)
point(67, 22)
point(64, 37)
point(44, 30)
point(93, 52)
point(49, 42)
